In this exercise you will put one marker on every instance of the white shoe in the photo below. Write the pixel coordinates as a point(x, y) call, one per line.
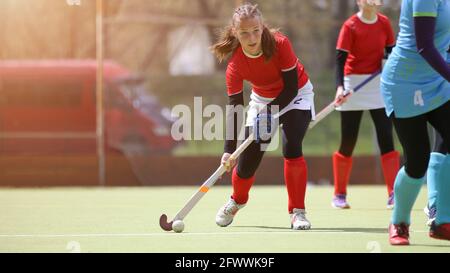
point(299, 221)
point(225, 215)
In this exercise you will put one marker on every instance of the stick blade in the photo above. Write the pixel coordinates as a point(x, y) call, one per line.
point(167, 226)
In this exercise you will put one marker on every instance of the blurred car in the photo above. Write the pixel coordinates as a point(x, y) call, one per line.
point(50, 107)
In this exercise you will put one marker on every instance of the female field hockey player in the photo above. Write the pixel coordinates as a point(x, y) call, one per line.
point(416, 89)
point(266, 59)
point(364, 40)
point(437, 159)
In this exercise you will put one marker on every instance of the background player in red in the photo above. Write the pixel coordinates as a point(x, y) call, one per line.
point(364, 40)
point(266, 59)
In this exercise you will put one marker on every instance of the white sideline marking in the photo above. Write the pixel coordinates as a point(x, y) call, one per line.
point(156, 234)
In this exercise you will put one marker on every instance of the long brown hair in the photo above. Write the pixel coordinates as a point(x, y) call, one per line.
point(228, 43)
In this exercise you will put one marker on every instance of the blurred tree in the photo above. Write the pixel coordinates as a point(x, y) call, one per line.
point(4, 10)
point(136, 30)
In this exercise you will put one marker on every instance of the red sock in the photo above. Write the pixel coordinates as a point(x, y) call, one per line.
point(342, 167)
point(241, 187)
point(295, 177)
point(391, 164)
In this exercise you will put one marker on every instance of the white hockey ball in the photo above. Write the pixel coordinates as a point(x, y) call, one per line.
point(178, 226)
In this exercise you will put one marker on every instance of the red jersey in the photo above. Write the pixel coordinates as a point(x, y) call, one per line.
point(265, 76)
point(365, 43)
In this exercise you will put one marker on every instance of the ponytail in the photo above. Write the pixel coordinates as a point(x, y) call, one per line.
point(226, 45)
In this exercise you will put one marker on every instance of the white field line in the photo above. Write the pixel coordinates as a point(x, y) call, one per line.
point(161, 234)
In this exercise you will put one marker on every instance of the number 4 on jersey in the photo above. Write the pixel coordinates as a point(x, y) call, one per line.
point(418, 99)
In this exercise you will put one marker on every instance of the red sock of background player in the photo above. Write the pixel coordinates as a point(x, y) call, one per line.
point(391, 164)
point(295, 177)
point(342, 167)
point(241, 187)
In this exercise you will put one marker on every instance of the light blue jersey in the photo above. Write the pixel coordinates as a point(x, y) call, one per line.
point(409, 85)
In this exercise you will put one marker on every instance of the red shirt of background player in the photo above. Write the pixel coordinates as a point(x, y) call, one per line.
point(365, 44)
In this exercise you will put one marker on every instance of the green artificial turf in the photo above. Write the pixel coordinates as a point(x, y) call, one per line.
point(126, 220)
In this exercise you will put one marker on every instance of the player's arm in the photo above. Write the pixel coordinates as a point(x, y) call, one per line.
point(448, 56)
point(232, 126)
point(341, 58)
point(344, 46)
point(234, 111)
point(390, 39)
point(289, 73)
point(235, 102)
point(424, 30)
point(388, 51)
point(290, 89)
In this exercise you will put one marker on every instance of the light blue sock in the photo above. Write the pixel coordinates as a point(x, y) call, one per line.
point(406, 190)
point(434, 170)
point(443, 196)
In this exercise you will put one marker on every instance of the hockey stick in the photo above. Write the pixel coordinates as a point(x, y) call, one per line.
point(167, 226)
point(330, 107)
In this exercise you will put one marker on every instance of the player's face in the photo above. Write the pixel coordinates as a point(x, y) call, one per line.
point(369, 4)
point(249, 33)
